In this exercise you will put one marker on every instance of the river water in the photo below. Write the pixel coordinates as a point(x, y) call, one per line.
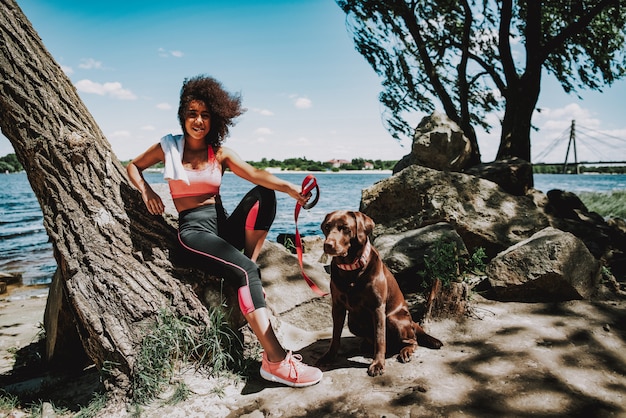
point(24, 246)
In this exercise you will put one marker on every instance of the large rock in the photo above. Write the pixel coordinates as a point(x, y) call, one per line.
point(404, 252)
point(552, 265)
point(514, 175)
point(605, 239)
point(479, 210)
point(438, 143)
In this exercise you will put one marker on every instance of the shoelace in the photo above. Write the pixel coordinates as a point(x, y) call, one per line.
point(295, 364)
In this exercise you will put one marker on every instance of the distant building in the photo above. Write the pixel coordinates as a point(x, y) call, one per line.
point(338, 163)
point(368, 165)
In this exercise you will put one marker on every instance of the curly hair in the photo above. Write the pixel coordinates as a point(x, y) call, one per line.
point(223, 106)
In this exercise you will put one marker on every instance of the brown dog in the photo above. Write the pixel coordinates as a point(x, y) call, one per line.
point(364, 287)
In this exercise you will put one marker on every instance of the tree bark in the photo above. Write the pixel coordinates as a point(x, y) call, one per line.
point(117, 264)
point(446, 301)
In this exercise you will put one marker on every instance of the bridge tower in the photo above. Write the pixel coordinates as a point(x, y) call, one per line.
point(572, 144)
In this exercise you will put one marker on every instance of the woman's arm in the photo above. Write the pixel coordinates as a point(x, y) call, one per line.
point(135, 168)
point(231, 159)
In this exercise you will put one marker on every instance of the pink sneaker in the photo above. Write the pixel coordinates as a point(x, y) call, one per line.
point(291, 371)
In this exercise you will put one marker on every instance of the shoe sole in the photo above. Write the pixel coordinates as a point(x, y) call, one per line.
point(270, 377)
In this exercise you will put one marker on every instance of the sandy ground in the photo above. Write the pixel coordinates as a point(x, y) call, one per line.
point(505, 360)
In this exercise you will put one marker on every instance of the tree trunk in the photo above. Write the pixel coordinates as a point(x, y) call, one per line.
point(446, 301)
point(516, 124)
point(117, 264)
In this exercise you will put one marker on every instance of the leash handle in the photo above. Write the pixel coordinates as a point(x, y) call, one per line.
point(308, 185)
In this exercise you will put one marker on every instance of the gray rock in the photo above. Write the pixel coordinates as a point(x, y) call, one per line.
point(552, 265)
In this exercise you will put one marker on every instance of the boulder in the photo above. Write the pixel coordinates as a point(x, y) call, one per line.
point(404, 252)
point(438, 143)
point(605, 239)
point(282, 278)
point(514, 175)
point(552, 265)
point(479, 210)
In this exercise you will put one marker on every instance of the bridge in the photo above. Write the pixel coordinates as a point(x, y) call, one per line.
point(591, 139)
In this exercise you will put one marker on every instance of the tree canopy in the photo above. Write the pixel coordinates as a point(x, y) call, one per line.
point(475, 57)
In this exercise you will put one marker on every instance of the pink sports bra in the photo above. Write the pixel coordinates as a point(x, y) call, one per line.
point(201, 182)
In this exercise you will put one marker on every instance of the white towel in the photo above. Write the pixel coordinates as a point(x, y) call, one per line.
point(173, 146)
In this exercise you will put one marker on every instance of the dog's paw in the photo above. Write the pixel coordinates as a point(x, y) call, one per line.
point(376, 368)
point(405, 355)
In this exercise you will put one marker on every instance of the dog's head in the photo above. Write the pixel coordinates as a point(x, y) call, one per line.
point(346, 232)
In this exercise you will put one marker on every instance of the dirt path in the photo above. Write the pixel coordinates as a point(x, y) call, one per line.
point(508, 359)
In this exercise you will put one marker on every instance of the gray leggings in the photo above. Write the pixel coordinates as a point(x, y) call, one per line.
point(219, 239)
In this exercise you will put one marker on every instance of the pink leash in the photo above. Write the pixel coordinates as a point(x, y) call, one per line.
point(308, 185)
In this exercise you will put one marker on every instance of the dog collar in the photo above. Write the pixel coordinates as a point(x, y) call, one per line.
point(359, 262)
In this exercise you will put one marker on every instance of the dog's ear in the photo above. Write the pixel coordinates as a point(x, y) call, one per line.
point(325, 221)
point(364, 226)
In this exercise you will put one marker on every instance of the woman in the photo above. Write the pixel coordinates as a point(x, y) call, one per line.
point(194, 164)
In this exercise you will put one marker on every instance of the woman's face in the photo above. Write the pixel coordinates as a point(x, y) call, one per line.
point(197, 120)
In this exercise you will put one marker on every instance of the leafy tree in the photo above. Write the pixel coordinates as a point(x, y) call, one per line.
point(10, 163)
point(478, 57)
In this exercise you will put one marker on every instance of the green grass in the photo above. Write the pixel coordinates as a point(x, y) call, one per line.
point(173, 342)
point(444, 262)
point(611, 204)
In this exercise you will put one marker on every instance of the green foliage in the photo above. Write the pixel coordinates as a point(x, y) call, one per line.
point(558, 169)
point(97, 403)
point(461, 55)
point(9, 163)
point(611, 204)
point(302, 164)
point(181, 394)
point(476, 263)
point(8, 402)
point(174, 341)
point(443, 262)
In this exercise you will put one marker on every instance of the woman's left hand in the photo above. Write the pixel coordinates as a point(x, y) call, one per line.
point(296, 193)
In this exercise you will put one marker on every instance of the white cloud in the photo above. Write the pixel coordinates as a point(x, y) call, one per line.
point(113, 89)
point(119, 135)
point(550, 143)
point(67, 70)
point(163, 53)
point(90, 64)
point(148, 128)
point(164, 106)
point(303, 103)
point(264, 112)
point(263, 131)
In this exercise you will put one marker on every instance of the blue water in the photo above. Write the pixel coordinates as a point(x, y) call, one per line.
point(24, 246)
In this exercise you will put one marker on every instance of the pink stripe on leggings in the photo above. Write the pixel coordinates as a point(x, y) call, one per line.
point(251, 218)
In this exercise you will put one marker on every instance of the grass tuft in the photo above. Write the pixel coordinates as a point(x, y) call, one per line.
point(176, 341)
point(608, 205)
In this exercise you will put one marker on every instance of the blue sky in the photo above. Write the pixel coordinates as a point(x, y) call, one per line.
point(308, 92)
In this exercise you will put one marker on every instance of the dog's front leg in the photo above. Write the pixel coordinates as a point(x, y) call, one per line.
point(339, 318)
point(380, 344)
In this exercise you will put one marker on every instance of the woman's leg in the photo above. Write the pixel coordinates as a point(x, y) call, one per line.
point(254, 242)
point(260, 323)
point(247, 227)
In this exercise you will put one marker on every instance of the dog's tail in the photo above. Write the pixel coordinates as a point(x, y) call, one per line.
point(425, 340)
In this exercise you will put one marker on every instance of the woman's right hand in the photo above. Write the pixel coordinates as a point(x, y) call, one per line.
point(153, 201)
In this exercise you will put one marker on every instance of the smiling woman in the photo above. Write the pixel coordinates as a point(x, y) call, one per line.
point(227, 245)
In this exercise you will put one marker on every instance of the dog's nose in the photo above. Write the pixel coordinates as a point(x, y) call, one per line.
point(328, 247)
